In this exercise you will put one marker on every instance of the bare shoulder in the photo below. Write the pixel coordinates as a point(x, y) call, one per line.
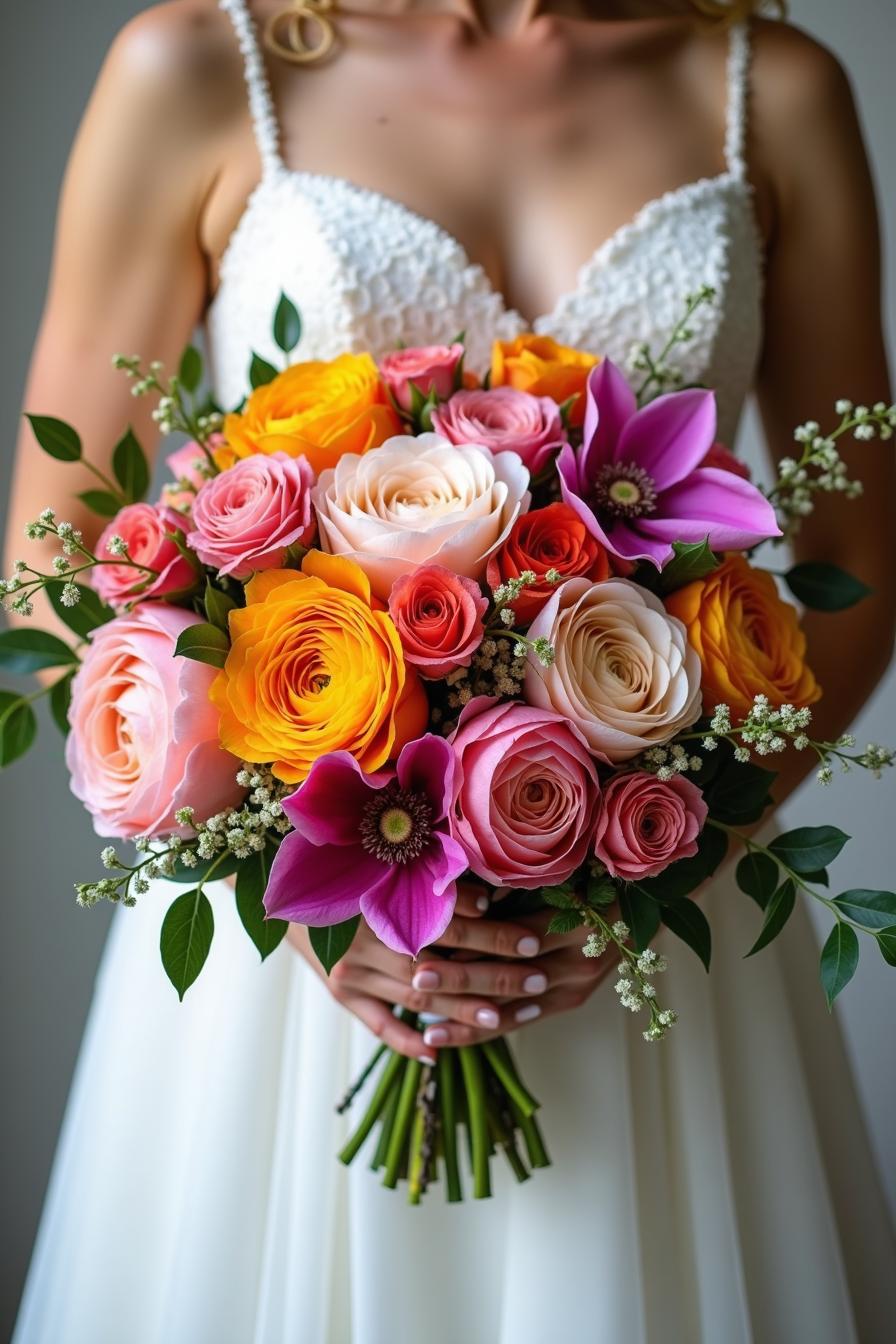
point(798, 82)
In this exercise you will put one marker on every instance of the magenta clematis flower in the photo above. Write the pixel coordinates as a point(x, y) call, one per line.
point(637, 483)
point(373, 844)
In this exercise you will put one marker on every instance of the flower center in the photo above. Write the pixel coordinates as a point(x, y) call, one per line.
point(624, 490)
point(396, 824)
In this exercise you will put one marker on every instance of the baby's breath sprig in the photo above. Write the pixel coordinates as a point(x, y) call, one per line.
point(634, 986)
point(19, 590)
point(659, 374)
point(176, 411)
point(503, 596)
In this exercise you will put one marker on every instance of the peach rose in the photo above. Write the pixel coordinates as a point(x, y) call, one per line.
point(144, 734)
point(416, 501)
point(748, 638)
point(315, 666)
point(645, 824)
point(319, 409)
point(247, 517)
point(148, 531)
point(537, 364)
point(551, 538)
point(438, 616)
point(428, 367)
point(623, 671)
point(504, 419)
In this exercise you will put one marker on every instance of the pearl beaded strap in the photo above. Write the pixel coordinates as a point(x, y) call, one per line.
point(738, 99)
point(261, 103)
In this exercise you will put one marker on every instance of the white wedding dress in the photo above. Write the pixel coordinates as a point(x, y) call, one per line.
point(717, 1188)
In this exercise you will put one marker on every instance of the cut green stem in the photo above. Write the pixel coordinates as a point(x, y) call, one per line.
point(474, 1085)
point(403, 1116)
point(377, 1102)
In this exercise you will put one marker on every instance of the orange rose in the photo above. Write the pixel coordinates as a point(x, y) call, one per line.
point(747, 637)
point(537, 364)
point(316, 666)
point(321, 408)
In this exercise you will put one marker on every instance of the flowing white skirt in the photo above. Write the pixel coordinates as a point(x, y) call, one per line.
point(715, 1188)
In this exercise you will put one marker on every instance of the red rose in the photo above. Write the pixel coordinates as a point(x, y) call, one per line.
point(551, 538)
point(723, 459)
point(438, 616)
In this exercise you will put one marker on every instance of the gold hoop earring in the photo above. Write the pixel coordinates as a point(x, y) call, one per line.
point(284, 32)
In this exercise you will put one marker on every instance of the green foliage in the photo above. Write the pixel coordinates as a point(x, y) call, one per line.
point(56, 437)
point(102, 502)
point(777, 913)
point(187, 932)
point(562, 896)
point(218, 607)
point(738, 793)
point(332, 943)
point(204, 643)
point(87, 613)
point(872, 909)
point(261, 372)
point(565, 921)
point(221, 866)
point(808, 848)
point(130, 467)
point(18, 727)
point(685, 876)
point(60, 699)
point(687, 921)
point(251, 881)
point(287, 325)
point(825, 587)
point(692, 560)
point(839, 959)
point(641, 914)
point(189, 375)
point(757, 876)
point(887, 942)
point(23, 650)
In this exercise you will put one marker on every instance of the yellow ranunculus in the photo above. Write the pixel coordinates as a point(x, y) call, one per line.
point(537, 364)
point(315, 666)
point(320, 408)
point(748, 638)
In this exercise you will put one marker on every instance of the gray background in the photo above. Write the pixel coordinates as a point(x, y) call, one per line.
point(50, 948)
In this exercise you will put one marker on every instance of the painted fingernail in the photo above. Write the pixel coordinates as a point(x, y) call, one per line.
point(435, 1035)
point(529, 1013)
point(535, 984)
point(429, 1060)
point(482, 903)
point(528, 947)
point(487, 1017)
point(426, 980)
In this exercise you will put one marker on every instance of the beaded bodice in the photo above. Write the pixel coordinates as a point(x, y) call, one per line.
point(368, 272)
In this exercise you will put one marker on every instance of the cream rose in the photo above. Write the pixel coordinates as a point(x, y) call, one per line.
point(420, 500)
point(623, 671)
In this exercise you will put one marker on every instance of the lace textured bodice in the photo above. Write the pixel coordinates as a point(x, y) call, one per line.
point(368, 272)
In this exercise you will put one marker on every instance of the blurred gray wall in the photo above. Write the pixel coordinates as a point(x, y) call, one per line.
point(50, 948)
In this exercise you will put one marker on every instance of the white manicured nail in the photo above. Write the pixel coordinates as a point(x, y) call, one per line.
point(535, 984)
point(482, 903)
point(528, 947)
point(428, 1060)
point(487, 1017)
point(529, 1013)
point(435, 1035)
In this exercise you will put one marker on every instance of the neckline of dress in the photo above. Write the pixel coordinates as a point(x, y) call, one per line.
point(598, 258)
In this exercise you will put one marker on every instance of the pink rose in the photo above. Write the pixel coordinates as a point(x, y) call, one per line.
point(144, 735)
point(246, 518)
point(190, 468)
point(429, 367)
point(644, 824)
point(438, 616)
point(723, 459)
point(503, 419)
point(527, 803)
point(148, 531)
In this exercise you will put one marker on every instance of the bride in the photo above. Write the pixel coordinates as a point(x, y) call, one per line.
point(496, 165)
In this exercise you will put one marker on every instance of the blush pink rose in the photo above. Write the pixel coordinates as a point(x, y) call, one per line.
point(723, 459)
point(645, 824)
point(144, 734)
point(526, 806)
point(438, 616)
point(428, 367)
point(149, 531)
point(503, 419)
point(247, 517)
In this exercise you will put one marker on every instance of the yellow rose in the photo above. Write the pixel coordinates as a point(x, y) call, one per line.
point(321, 408)
point(315, 666)
point(747, 637)
point(537, 364)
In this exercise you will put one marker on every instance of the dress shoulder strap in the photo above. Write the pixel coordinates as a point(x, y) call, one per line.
point(261, 102)
point(738, 99)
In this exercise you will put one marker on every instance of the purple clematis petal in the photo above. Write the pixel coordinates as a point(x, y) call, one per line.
point(318, 884)
point(412, 906)
point(429, 765)
point(670, 437)
point(327, 807)
point(609, 405)
point(715, 504)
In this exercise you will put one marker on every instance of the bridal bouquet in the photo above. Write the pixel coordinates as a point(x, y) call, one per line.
point(391, 625)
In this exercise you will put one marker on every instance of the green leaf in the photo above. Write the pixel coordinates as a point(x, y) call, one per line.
point(204, 643)
point(839, 959)
point(60, 699)
point(818, 879)
point(218, 606)
point(777, 913)
point(565, 921)
point(56, 437)
point(687, 921)
point(873, 909)
point(23, 650)
point(757, 875)
point(825, 587)
point(334, 941)
point(187, 932)
point(189, 374)
point(287, 325)
point(130, 467)
point(641, 914)
point(600, 891)
point(738, 794)
point(685, 876)
point(261, 372)
point(218, 868)
point(887, 941)
point(561, 896)
point(86, 615)
point(251, 881)
point(808, 848)
point(18, 727)
point(102, 502)
point(692, 560)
